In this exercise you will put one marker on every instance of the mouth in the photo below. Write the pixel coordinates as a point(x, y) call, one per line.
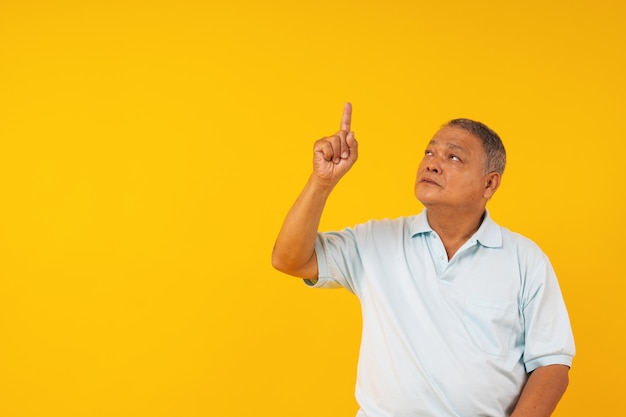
point(426, 180)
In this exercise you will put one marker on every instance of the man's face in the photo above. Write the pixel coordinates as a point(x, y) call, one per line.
point(451, 174)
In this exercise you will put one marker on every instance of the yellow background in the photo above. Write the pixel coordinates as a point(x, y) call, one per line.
point(150, 150)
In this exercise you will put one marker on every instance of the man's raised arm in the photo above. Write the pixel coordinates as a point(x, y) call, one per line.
point(333, 156)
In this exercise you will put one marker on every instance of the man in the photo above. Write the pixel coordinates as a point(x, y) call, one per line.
point(461, 317)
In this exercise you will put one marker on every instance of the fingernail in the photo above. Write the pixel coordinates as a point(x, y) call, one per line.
point(344, 155)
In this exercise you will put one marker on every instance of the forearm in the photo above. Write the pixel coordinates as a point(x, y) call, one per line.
point(333, 156)
point(294, 250)
point(542, 392)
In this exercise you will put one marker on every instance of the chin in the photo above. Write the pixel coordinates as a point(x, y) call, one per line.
point(422, 194)
point(424, 200)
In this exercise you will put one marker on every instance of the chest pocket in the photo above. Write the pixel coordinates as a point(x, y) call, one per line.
point(491, 324)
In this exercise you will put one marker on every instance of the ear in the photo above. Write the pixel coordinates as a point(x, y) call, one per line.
point(492, 182)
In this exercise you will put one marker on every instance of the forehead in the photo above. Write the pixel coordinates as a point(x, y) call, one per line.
point(456, 137)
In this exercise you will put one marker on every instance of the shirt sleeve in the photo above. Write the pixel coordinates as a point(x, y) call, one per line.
point(338, 260)
point(548, 333)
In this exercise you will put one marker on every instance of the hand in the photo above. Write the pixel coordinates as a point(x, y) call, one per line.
point(334, 155)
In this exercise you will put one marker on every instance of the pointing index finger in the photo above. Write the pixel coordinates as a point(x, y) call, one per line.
point(346, 119)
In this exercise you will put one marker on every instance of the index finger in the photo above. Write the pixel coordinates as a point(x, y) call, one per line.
point(346, 119)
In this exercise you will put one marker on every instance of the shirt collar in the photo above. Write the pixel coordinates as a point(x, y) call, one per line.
point(488, 234)
point(419, 224)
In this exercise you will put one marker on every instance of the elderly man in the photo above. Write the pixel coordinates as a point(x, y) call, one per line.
point(461, 317)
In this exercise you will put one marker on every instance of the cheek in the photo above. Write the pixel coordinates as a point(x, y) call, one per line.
point(463, 184)
point(472, 186)
point(422, 166)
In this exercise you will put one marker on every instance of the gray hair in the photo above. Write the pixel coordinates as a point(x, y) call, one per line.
point(495, 155)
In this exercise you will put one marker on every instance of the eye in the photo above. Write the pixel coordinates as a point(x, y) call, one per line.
point(455, 158)
point(428, 152)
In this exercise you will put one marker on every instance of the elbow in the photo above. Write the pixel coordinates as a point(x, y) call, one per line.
point(277, 261)
point(288, 265)
point(281, 263)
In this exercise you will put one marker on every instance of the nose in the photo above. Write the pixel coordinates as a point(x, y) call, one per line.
point(432, 165)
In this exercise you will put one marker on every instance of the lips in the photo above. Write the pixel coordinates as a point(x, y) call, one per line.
point(427, 180)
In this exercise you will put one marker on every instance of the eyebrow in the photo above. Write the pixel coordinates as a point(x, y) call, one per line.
point(449, 145)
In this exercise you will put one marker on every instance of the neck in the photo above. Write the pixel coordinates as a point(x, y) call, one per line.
point(454, 227)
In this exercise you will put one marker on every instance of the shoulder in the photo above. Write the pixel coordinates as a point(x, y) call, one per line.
point(385, 226)
point(519, 241)
point(529, 255)
point(376, 231)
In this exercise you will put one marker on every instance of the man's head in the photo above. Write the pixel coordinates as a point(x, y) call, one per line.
point(495, 155)
point(461, 168)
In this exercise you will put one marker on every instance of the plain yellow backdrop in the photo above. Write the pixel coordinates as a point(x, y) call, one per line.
point(149, 151)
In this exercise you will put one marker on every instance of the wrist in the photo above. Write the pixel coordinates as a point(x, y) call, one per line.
point(321, 185)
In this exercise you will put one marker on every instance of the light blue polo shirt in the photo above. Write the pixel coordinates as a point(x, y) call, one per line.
point(446, 338)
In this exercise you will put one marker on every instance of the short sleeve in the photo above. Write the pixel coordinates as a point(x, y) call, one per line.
point(548, 333)
point(338, 260)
